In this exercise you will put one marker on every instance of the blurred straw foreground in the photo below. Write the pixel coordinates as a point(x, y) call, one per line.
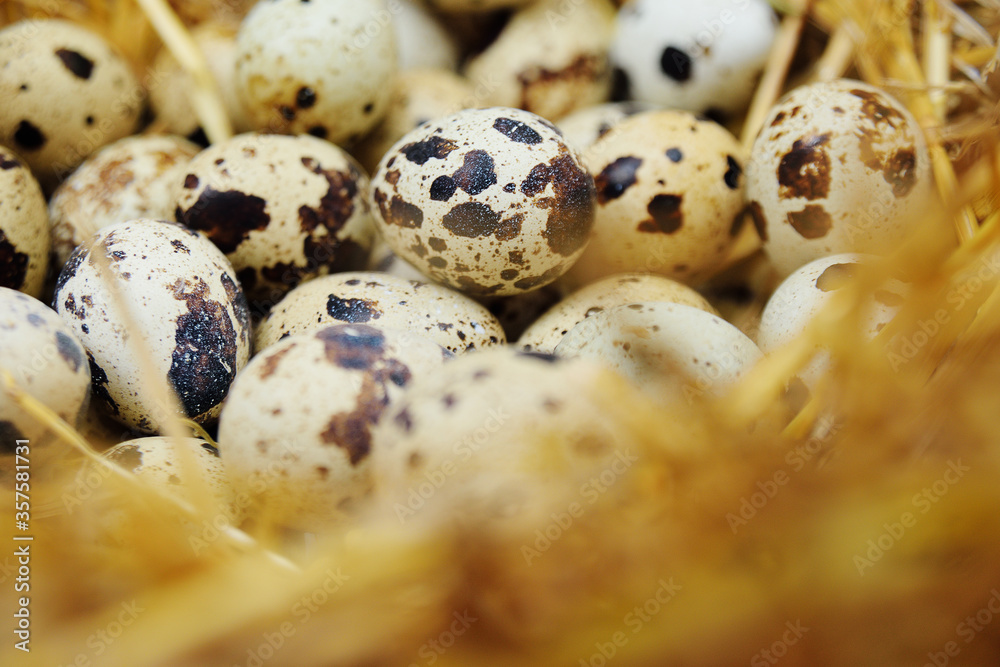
point(865, 531)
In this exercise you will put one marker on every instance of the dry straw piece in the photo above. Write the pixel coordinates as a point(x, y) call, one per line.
point(858, 527)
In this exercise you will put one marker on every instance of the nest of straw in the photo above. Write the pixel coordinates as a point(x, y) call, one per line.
point(864, 531)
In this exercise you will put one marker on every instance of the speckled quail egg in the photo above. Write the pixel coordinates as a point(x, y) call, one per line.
point(168, 464)
point(488, 201)
point(551, 58)
point(418, 96)
point(25, 239)
point(445, 316)
point(170, 84)
point(135, 177)
point(804, 293)
point(840, 166)
point(421, 40)
point(480, 431)
point(283, 209)
point(582, 128)
point(307, 460)
point(670, 351)
point(546, 332)
point(670, 198)
point(700, 56)
point(384, 260)
point(323, 68)
point(45, 359)
point(66, 93)
point(184, 303)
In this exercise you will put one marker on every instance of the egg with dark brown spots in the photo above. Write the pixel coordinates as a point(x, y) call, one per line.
point(839, 166)
point(183, 302)
point(66, 92)
point(488, 201)
point(322, 68)
point(584, 127)
point(449, 318)
point(283, 209)
point(25, 237)
point(669, 198)
point(296, 430)
point(46, 361)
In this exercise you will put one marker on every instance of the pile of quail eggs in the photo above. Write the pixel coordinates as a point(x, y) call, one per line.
point(440, 225)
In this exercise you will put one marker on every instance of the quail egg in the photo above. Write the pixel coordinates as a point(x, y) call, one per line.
point(421, 40)
point(582, 128)
point(25, 238)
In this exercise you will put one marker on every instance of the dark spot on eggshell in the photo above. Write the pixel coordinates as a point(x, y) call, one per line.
point(470, 286)
point(804, 171)
point(541, 356)
point(437, 244)
point(399, 212)
point(99, 385)
point(271, 360)
point(418, 249)
point(510, 188)
point(248, 278)
point(471, 220)
point(616, 178)
point(835, 276)
point(238, 302)
point(509, 227)
point(178, 246)
point(352, 310)
point(675, 155)
point(69, 350)
point(442, 188)
point(336, 206)
point(127, 456)
point(81, 66)
point(571, 210)
point(8, 162)
point(29, 137)
point(900, 171)
point(733, 173)
point(476, 173)
point(532, 282)
point(517, 131)
point(438, 262)
point(676, 64)
point(432, 147)
point(9, 435)
point(305, 97)
point(666, 213)
point(227, 217)
point(351, 431)
point(204, 360)
point(404, 421)
point(355, 346)
point(13, 264)
point(392, 176)
point(875, 108)
point(287, 112)
point(509, 274)
point(191, 182)
point(516, 257)
point(318, 131)
point(812, 222)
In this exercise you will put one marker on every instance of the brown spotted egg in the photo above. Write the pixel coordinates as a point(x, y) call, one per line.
point(25, 238)
point(45, 359)
point(135, 177)
point(184, 303)
point(488, 201)
point(283, 209)
point(551, 58)
point(449, 318)
point(840, 166)
point(66, 92)
point(670, 198)
point(295, 432)
point(546, 332)
point(323, 68)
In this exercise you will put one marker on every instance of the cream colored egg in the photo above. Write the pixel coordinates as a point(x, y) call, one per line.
point(384, 260)
point(25, 238)
point(66, 92)
point(840, 166)
point(670, 198)
point(582, 128)
point(323, 68)
point(421, 40)
point(449, 318)
point(283, 209)
point(184, 303)
point(546, 332)
point(488, 201)
point(551, 58)
point(135, 177)
point(670, 351)
point(295, 432)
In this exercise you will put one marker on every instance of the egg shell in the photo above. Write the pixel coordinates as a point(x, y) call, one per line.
point(496, 428)
point(186, 305)
point(170, 90)
point(806, 291)
point(670, 198)
point(670, 351)
point(840, 166)
point(283, 209)
point(384, 260)
point(135, 177)
point(25, 239)
point(311, 456)
point(323, 68)
point(702, 56)
point(488, 201)
point(161, 463)
point(582, 128)
point(546, 332)
point(66, 93)
point(421, 39)
point(418, 96)
point(45, 359)
point(551, 58)
point(449, 318)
